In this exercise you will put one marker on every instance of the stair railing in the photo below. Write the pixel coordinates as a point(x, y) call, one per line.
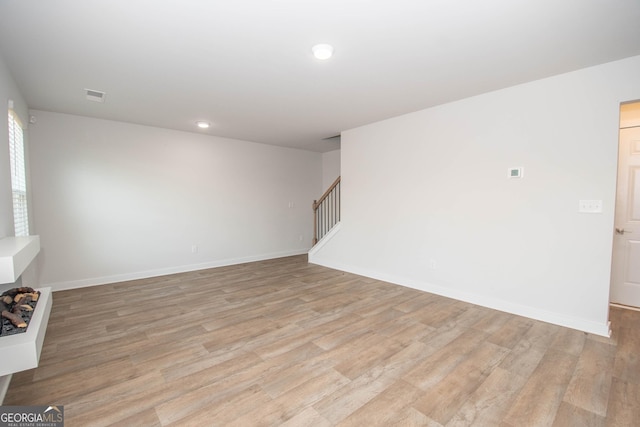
point(326, 211)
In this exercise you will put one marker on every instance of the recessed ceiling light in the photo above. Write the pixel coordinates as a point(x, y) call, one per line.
point(322, 51)
point(203, 125)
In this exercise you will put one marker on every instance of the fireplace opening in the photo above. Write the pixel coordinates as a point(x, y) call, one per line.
point(17, 307)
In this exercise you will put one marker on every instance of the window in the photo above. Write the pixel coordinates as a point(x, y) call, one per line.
point(18, 176)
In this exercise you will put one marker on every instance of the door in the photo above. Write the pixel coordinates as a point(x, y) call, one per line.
point(625, 274)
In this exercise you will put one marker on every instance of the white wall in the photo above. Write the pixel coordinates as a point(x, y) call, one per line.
point(113, 201)
point(433, 185)
point(330, 168)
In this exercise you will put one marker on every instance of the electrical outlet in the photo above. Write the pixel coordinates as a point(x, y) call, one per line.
point(194, 249)
point(433, 264)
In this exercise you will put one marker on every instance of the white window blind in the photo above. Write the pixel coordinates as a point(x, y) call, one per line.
point(18, 176)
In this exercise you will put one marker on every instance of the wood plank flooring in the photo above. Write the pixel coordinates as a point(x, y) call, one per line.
point(283, 342)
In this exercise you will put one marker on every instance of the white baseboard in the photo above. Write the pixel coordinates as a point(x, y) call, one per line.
point(493, 303)
point(626, 307)
point(94, 281)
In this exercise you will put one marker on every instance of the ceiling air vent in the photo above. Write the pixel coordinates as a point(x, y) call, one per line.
point(95, 95)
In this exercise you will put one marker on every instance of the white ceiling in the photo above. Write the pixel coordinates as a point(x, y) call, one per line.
point(246, 65)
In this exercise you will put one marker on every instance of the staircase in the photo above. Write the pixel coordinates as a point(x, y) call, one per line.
point(326, 211)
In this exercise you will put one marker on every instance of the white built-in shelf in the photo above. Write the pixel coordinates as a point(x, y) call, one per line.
point(22, 351)
point(16, 253)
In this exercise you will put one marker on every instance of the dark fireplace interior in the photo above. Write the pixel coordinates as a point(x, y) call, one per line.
point(17, 306)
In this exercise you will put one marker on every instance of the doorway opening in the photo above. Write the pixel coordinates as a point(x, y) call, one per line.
point(625, 268)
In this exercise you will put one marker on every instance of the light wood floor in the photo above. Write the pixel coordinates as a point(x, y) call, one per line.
point(282, 342)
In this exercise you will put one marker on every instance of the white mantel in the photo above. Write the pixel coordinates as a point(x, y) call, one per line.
point(16, 253)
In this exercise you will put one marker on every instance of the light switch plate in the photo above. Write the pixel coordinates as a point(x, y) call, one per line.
point(590, 206)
